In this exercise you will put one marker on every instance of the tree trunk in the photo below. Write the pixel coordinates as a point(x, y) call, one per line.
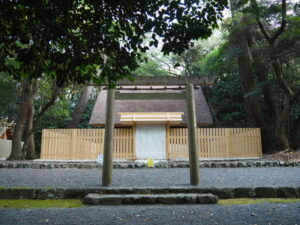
point(295, 134)
point(251, 101)
point(261, 70)
point(29, 149)
point(80, 107)
point(30, 132)
point(26, 97)
point(280, 132)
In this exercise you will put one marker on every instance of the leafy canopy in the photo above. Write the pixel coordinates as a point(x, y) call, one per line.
point(71, 40)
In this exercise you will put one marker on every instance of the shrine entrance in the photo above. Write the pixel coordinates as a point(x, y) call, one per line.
point(187, 95)
point(150, 141)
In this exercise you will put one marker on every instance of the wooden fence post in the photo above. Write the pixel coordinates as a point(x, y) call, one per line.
point(228, 142)
point(133, 141)
point(73, 138)
point(192, 134)
point(108, 139)
point(259, 148)
point(44, 145)
point(168, 142)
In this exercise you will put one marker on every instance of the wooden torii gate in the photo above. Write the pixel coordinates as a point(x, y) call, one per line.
point(188, 95)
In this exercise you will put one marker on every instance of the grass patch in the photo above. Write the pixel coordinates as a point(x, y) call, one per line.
point(31, 203)
point(15, 187)
point(250, 201)
point(20, 187)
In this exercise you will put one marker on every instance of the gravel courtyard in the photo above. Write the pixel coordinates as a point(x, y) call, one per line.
point(262, 214)
point(210, 177)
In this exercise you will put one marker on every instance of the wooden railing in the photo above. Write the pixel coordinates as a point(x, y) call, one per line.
point(81, 144)
point(217, 143)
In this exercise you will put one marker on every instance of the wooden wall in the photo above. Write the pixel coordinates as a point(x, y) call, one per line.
point(217, 143)
point(214, 143)
point(81, 144)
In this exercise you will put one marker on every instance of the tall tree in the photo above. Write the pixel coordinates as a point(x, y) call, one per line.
point(264, 47)
point(272, 35)
point(28, 121)
point(72, 40)
point(240, 37)
point(80, 106)
point(28, 94)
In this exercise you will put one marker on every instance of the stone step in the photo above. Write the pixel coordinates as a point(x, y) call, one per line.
point(80, 193)
point(125, 199)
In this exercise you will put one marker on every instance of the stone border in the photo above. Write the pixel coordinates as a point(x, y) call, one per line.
point(127, 199)
point(165, 164)
point(222, 193)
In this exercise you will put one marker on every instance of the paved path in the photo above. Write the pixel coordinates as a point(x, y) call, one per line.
point(210, 177)
point(158, 214)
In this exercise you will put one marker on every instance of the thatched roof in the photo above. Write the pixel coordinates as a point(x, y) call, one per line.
point(202, 111)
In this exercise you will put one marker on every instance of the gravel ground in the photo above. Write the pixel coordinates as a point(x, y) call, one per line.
point(210, 177)
point(158, 214)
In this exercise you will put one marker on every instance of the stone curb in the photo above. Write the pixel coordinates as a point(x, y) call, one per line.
point(125, 165)
point(222, 193)
point(183, 198)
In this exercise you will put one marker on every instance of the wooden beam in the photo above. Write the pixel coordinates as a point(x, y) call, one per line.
point(167, 80)
point(149, 95)
point(108, 139)
point(192, 135)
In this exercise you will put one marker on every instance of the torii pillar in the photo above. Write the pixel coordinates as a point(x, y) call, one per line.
point(108, 138)
point(192, 135)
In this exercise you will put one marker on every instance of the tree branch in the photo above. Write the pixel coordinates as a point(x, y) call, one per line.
point(52, 100)
point(280, 30)
point(281, 82)
point(263, 30)
point(283, 22)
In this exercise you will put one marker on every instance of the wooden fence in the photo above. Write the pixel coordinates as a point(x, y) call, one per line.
point(217, 143)
point(83, 144)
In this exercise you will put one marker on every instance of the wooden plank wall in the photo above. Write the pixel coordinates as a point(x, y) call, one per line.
point(178, 143)
point(81, 144)
point(217, 143)
point(123, 146)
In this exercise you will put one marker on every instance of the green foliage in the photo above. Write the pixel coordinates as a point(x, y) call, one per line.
point(190, 61)
point(18, 187)
point(226, 101)
point(71, 40)
point(150, 68)
point(220, 61)
point(9, 100)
